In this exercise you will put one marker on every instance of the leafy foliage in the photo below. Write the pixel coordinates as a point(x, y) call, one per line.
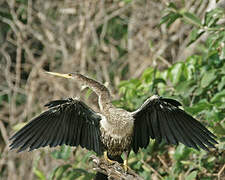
point(210, 24)
point(198, 82)
point(195, 84)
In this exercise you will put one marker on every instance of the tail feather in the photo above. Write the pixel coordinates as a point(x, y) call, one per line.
point(115, 158)
point(100, 176)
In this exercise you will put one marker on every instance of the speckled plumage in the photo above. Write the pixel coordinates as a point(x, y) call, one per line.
point(116, 128)
point(116, 125)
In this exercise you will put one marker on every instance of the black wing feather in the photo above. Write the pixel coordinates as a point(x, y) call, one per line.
point(90, 135)
point(185, 135)
point(156, 125)
point(172, 102)
point(55, 131)
point(70, 131)
point(69, 122)
point(165, 120)
point(164, 128)
point(33, 137)
point(30, 133)
point(145, 141)
point(201, 135)
point(179, 132)
point(64, 130)
point(149, 125)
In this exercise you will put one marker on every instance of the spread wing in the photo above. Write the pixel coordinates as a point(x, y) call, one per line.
point(69, 122)
point(161, 118)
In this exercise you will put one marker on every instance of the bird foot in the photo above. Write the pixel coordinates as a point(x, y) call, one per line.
point(125, 166)
point(107, 159)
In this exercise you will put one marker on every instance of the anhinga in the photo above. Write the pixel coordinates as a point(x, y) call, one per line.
point(113, 130)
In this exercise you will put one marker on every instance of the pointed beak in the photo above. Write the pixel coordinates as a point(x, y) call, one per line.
point(68, 76)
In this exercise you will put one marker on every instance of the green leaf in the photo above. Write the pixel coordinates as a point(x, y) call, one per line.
point(208, 78)
point(223, 69)
point(199, 107)
point(195, 61)
point(169, 18)
point(170, 178)
point(159, 80)
point(127, 1)
point(198, 91)
point(58, 172)
point(63, 153)
point(221, 84)
point(39, 174)
point(213, 116)
point(165, 18)
point(176, 72)
point(219, 129)
point(192, 18)
point(214, 59)
point(214, 42)
point(195, 34)
point(211, 159)
point(212, 17)
point(185, 88)
point(78, 172)
point(172, 6)
point(181, 152)
point(219, 97)
point(145, 174)
point(147, 75)
point(191, 176)
point(172, 19)
point(192, 66)
point(72, 175)
point(188, 162)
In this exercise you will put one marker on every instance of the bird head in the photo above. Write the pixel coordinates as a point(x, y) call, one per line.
point(68, 75)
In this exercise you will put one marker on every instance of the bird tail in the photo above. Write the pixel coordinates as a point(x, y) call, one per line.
point(101, 176)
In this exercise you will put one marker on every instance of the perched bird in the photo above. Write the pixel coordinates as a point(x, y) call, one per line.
point(112, 131)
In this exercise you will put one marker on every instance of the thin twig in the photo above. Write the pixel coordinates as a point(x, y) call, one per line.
point(163, 162)
point(220, 172)
point(152, 169)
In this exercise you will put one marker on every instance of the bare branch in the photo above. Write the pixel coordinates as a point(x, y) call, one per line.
point(114, 171)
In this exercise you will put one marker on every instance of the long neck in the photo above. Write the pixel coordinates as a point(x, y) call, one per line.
point(104, 98)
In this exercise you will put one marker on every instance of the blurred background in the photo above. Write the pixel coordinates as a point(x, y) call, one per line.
point(139, 47)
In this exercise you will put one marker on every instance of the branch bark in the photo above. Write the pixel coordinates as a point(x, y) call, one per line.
point(114, 171)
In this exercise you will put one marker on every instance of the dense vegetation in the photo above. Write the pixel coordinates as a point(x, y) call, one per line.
point(179, 53)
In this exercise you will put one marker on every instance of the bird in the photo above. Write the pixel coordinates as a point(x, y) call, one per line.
point(112, 131)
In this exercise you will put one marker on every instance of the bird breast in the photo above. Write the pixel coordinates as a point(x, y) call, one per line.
point(118, 123)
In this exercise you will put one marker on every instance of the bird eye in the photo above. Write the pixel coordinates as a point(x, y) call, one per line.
point(69, 74)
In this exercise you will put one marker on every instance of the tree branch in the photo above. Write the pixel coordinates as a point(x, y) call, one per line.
point(113, 170)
